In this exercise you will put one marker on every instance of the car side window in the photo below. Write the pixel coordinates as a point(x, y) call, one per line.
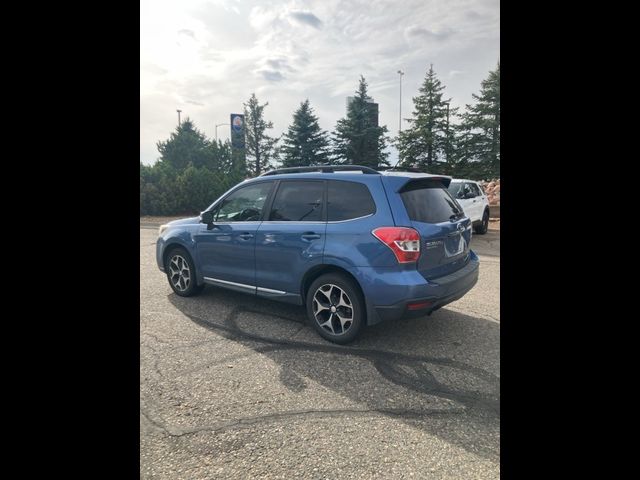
point(245, 204)
point(466, 190)
point(475, 189)
point(298, 201)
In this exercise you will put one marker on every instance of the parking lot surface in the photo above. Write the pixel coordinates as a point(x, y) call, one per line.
point(234, 387)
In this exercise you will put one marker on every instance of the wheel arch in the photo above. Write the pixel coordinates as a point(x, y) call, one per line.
point(312, 274)
point(171, 245)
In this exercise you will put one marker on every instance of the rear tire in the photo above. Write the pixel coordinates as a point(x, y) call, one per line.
point(335, 308)
point(482, 228)
point(181, 273)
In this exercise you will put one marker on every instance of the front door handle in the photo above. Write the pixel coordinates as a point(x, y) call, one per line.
point(246, 236)
point(308, 236)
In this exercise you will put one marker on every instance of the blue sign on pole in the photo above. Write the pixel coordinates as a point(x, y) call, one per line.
point(237, 130)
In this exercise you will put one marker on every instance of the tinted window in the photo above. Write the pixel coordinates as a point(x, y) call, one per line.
point(429, 202)
point(348, 200)
point(298, 201)
point(245, 204)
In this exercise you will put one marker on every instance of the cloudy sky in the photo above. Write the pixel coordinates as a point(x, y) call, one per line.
point(206, 57)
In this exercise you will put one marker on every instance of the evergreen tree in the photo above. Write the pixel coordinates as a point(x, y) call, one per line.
point(187, 145)
point(430, 136)
point(357, 140)
point(197, 188)
point(304, 143)
point(480, 130)
point(260, 148)
point(191, 173)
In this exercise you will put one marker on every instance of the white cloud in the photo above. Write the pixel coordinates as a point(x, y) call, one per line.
point(207, 57)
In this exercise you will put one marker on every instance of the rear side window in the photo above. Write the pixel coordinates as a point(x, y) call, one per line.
point(298, 202)
point(348, 200)
point(428, 201)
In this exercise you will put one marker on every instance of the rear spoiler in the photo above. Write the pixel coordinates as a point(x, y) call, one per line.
point(402, 182)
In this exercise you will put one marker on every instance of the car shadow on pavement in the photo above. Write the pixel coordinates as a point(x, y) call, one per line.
point(422, 371)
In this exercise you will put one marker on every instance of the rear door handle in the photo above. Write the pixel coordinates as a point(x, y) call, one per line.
point(246, 236)
point(310, 236)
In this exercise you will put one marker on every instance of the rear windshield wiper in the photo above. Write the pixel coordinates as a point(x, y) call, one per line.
point(456, 216)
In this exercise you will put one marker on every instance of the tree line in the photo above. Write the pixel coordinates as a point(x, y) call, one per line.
point(193, 170)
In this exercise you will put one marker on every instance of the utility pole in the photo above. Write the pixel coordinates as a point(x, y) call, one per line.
point(179, 123)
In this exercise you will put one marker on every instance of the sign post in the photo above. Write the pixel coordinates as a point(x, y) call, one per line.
point(237, 130)
point(237, 142)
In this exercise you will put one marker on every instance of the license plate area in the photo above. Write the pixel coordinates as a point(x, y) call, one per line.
point(454, 245)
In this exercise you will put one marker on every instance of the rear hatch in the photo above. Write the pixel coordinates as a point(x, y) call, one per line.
point(444, 229)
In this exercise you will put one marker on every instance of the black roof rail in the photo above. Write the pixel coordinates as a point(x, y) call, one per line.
point(323, 169)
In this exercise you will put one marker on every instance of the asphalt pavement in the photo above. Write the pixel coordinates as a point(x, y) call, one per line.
point(234, 387)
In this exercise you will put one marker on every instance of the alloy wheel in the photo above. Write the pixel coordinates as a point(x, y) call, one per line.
point(179, 273)
point(332, 309)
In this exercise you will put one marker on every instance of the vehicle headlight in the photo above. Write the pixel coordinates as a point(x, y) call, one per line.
point(162, 229)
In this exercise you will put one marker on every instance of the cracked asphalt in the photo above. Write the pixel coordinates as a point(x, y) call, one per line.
point(234, 387)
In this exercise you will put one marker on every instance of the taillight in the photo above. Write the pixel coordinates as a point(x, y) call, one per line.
point(404, 241)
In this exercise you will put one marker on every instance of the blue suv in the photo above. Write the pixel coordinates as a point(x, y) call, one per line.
point(356, 246)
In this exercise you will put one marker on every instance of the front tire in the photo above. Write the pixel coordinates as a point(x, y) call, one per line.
point(181, 273)
point(335, 308)
point(484, 225)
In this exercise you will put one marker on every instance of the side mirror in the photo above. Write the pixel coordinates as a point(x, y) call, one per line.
point(470, 195)
point(207, 218)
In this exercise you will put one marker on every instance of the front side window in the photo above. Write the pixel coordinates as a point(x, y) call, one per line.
point(347, 200)
point(474, 189)
point(245, 204)
point(298, 201)
point(471, 190)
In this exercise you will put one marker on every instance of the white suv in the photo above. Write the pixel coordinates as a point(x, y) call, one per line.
point(473, 201)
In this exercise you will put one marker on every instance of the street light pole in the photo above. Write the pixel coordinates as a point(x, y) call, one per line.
point(448, 147)
point(179, 116)
point(219, 125)
point(401, 73)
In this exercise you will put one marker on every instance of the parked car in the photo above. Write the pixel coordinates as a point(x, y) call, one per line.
point(473, 201)
point(355, 246)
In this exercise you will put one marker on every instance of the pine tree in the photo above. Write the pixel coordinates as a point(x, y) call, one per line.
point(480, 130)
point(357, 140)
point(260, 148)
point(191, 172)
point(304, 143)
point(187, 145)
point(426, 143)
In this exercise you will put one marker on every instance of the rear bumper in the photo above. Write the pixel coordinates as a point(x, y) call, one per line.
point(428, 296)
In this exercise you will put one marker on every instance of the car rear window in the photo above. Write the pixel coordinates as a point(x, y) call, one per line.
point(348, 200)
point(429, 201)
